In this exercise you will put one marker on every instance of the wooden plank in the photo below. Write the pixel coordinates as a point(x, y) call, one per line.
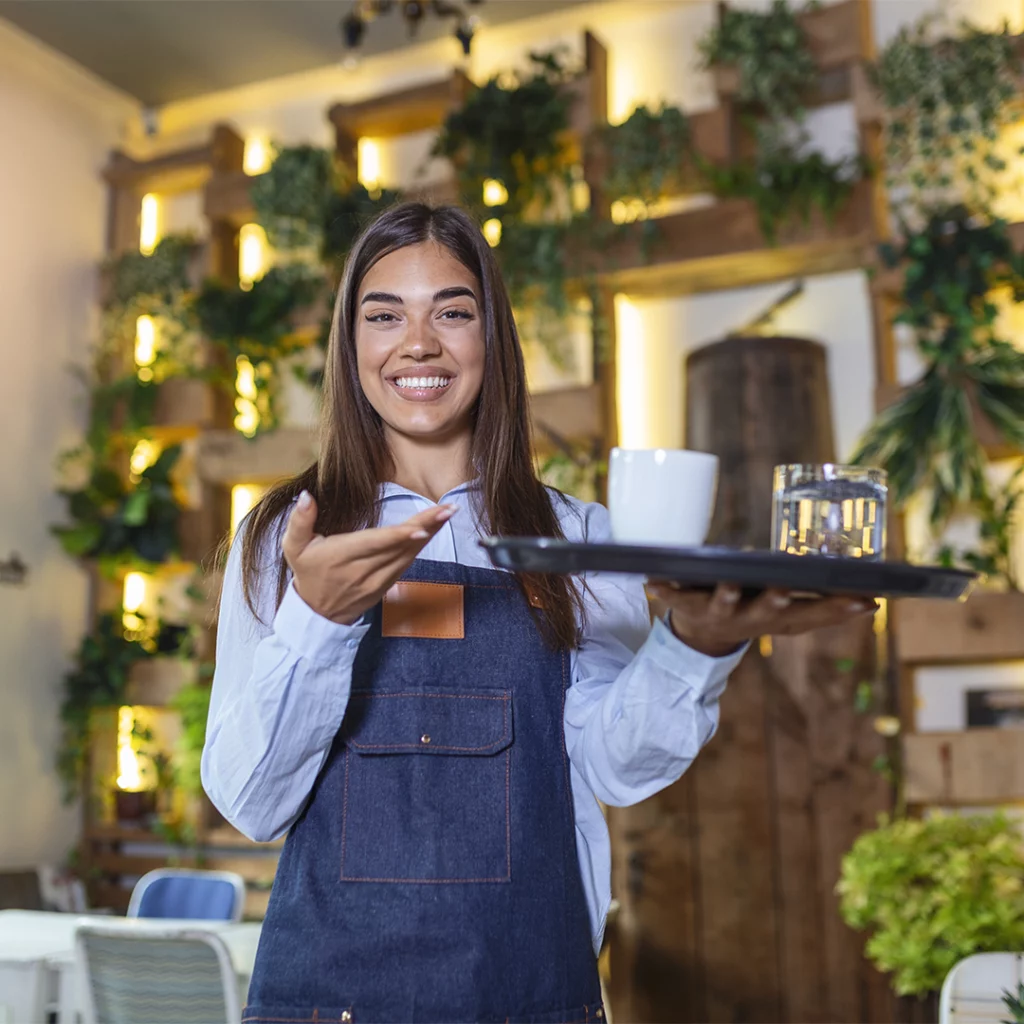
point(988, 626)
point(155, 681)
point(256, 901)
point(978, 766)
point(414, 109)
point(571, 413)
point(259, 869)
point(226, 457)
point(227, 198)
point(836, 34)
point(721, 246)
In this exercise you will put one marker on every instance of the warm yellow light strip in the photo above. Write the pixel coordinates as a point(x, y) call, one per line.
point(252, 254)
point(145, 346)
point(257, 156)
point(368, 162)
point(243, 498)
point(492, 232)
point(129, 774)
point(247, 418)
point(149, 224)
point(631, 398)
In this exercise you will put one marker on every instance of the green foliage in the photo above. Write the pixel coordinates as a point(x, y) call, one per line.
point(347, 213)
point(573, 472)
point(646, 156)
point(769, 50)
point(120, 524)
point(784, 182)
point(1014, 1002)
point(157, 278)
point(292, 197)
point(514, 132)
point(946, 102)
point(932, 892)
point(193, 703)
point(98, 680)
point(927, 439)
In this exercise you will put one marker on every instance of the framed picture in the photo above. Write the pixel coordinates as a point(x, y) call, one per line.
point(995, 708)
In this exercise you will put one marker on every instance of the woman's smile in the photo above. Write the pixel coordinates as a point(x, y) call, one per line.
point(422, 383)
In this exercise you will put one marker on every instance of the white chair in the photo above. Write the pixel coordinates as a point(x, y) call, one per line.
point(187, 893)
point(973, 990)
point(156, 975)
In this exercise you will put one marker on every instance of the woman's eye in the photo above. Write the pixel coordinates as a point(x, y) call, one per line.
point(457, 314)
point(380, 318)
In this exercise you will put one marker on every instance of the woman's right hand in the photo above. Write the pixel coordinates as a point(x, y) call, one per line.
point(342, 576)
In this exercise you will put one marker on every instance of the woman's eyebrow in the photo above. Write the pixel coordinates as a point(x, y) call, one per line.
point(381, 297)
point(454, 292)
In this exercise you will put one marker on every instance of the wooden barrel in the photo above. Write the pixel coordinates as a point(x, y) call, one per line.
point(726, 878)
point(756, 403)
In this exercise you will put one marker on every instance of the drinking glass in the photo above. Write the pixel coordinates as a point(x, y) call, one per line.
point(829, 510)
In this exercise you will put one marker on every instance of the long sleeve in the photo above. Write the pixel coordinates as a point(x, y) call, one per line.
point(279, 695)
point(642, 703)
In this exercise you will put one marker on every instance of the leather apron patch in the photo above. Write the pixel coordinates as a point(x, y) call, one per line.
point(426, 610)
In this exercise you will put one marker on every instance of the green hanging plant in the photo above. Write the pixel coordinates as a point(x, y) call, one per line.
point(933, 892)
point(119, 524)
point(291, 199)
point(947, 100)
point(156, 279)
point(769, 50)
point(927, 439)
point(193, 704)
point(1014, 1003)
point(647, 156)
point(256, 323)
point(347, 213)
point(786, 181)
point(513, 130)
point(99, 679)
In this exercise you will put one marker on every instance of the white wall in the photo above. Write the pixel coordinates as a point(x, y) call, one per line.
point(56, 128)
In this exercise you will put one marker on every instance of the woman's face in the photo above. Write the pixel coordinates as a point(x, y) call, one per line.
point(420, 342)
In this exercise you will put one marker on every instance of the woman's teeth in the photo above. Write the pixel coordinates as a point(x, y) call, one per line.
point(423, 382)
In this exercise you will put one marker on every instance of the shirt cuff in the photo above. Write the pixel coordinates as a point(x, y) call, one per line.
point(310, 635)
point(704, 673)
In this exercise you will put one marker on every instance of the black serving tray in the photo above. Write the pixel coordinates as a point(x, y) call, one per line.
point(750, 570)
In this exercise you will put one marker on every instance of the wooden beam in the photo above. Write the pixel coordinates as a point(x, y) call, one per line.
point(226, 457)
point(155, 681)
point(227, 198)
point(989, 626)
point(721, 246)
point(977, 766)
point(572, 413)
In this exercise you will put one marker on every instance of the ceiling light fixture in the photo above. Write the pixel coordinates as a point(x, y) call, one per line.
point(363, 12)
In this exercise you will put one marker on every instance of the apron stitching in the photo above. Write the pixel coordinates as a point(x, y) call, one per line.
point(425, 881)
point(508, 814)
point(344, 816)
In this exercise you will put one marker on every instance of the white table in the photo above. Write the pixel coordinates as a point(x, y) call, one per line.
point(37, 960)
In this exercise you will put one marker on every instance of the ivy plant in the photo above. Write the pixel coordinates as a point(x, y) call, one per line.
point(192, 702)
point(513, 130)
point(932, 892)
point(118, 523)
point(769, 50)
point(947, 99)
point(647, 156)
point(291, 199)
point(158, 278)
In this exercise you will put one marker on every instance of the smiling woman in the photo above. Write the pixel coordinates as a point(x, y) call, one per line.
point(434, 734)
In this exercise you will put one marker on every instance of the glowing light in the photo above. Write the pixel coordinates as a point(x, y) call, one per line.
point(149, 224)
point(252, 255)
point(765, 646)
point(626, 212)
point(144, 454)
point(492, 232)
point(579, 196)
point(257, 156)
point(132, 599)
point(495, 193)
point(243, 498)
point(247, 415)
point(368, 162)
point(129, 772)
point(145, 341)
point(631, 391)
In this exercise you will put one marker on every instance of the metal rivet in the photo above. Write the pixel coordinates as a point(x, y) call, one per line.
point(346, 1017)
point(599, 1014)
point(424, 738)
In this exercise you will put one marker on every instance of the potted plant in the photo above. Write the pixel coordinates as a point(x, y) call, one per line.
point(932, 892)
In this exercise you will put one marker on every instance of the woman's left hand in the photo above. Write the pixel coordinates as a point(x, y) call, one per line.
point(718, 624)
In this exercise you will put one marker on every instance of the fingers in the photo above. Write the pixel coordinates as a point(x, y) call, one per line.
point(301, 527)
point(831, 611)
point(386, 539)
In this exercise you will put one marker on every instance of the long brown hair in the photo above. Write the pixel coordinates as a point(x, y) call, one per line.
point(354, 457)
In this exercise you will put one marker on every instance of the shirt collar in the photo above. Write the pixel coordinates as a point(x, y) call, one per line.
point(393, 490)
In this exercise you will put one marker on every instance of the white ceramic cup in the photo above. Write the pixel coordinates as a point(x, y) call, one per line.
point(661, 496)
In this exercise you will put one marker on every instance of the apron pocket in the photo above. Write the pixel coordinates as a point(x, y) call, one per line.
point(426, 794)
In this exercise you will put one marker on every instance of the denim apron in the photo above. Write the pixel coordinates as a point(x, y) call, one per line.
point(433, 875)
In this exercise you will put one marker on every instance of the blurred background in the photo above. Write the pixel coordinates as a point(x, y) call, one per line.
point(777, 232)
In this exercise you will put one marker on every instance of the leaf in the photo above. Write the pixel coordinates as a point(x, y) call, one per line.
point(136, 507)
point(79, 541)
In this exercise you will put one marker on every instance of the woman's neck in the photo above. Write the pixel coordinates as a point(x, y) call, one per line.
point(431, 468)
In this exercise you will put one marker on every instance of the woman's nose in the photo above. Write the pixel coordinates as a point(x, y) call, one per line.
point(421, 339)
